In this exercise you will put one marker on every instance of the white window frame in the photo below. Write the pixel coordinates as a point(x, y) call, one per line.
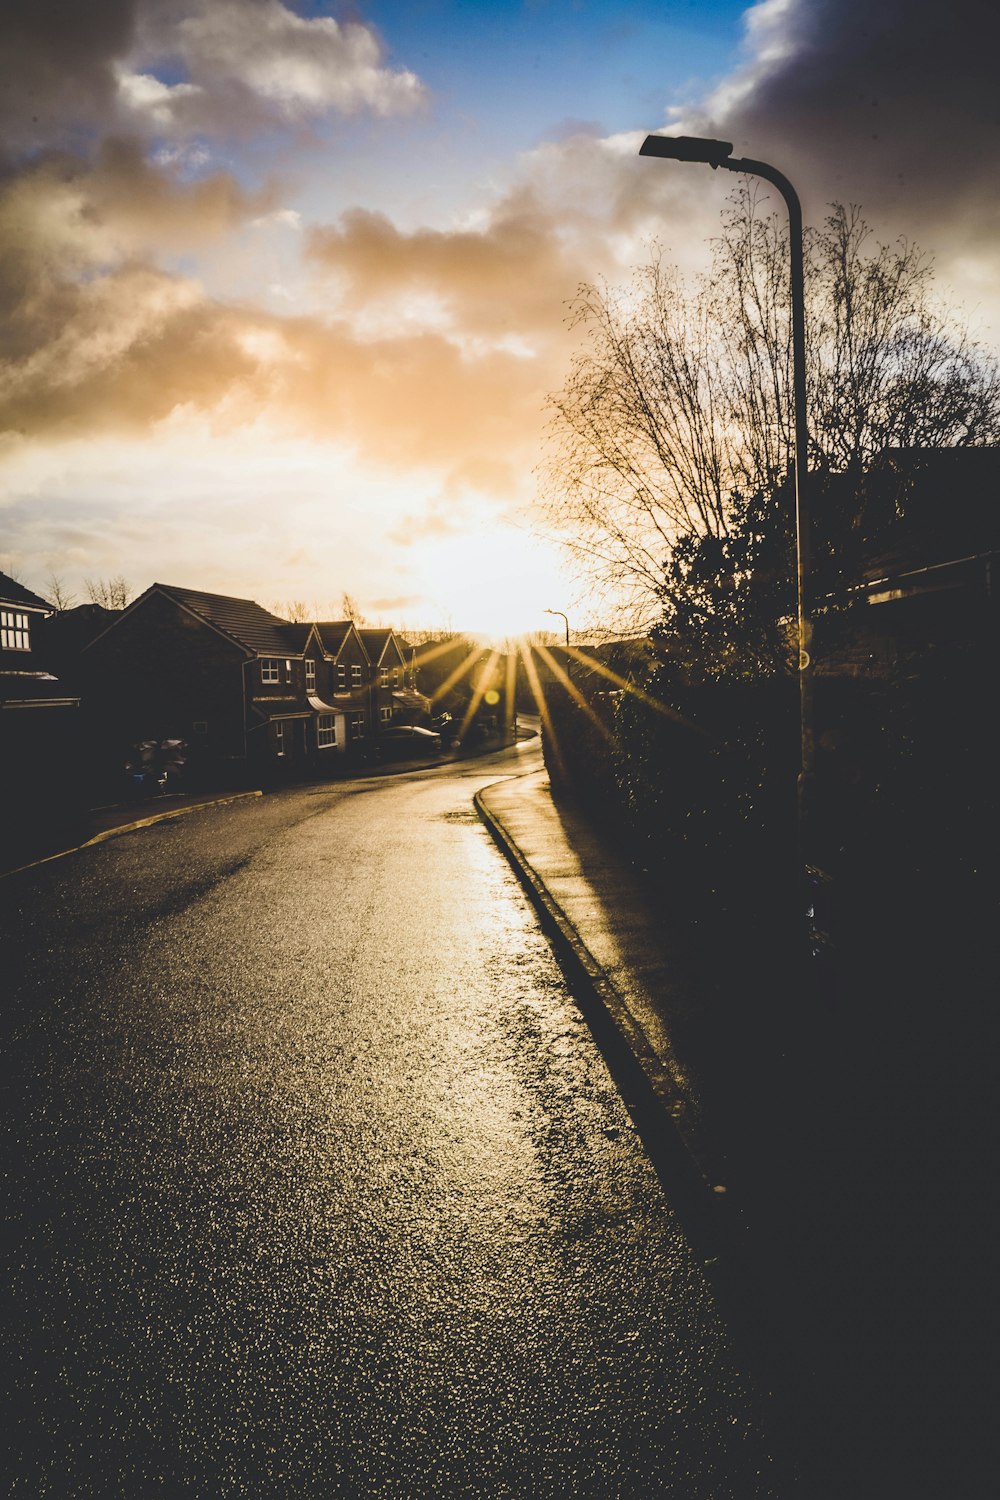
point(385, 714)
point(326, 731)
point(15, 632)
point(270, 669)
point(279, 736)
point(310, 675)
point(288, 670)
point(355, 674)
point(341, 677)
point(383, 676)
point(395, 677)
point(358, 728)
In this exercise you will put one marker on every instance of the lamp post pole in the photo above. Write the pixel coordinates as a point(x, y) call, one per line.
point(719, 154)
point(569, 664)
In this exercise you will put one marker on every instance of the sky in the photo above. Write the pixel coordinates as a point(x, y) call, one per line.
point(283, 286)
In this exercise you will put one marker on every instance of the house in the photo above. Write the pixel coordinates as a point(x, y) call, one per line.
point(394, 694)
point(337, 673)
point(904, 696)
point(251, 694)
point(39, 728)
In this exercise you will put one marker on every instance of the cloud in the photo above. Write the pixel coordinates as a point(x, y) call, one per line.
point(100, 339)
point(251, 63)
point(224, 67)
point(397, 604)
point(512, 276)
point(893, 106)
point(57, 65)
point(67, 227)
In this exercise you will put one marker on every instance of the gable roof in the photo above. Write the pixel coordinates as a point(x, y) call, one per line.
point(333, 634)
point(376, 643)
point(243, 620)
point(297, 634)
point(12, 592)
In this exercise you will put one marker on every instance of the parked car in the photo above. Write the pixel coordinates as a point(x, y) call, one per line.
point(408, 739)
point(154, 768)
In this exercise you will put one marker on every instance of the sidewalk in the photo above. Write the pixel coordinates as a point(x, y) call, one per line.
point(813, 1172)
point(688, 1033)
point(102, 823)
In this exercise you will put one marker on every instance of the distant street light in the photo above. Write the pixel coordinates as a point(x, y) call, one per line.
point(719, 154)
point(569, 664)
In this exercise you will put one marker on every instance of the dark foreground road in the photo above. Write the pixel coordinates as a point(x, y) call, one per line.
point(318, 1186)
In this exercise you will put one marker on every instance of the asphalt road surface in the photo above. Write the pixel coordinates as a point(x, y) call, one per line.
point(318, 1186)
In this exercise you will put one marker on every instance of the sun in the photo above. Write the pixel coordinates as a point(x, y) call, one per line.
point(495, 581)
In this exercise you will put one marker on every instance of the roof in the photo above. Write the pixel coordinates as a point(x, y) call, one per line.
point(34, 689)
point(12, 592)
point(242, 619)
point(920, 507)
point(375, 642)
point(318, 706)
point(333, 633)
point(297, 634)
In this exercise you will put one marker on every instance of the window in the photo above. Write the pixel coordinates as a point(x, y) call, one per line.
point(385, 714)
point(279, 737)
point(326, 731)
point(288, 671)
point(270, 669)
point(341, 679)
point(14, 631)
point(200, 726)
point(355, 675)
point(310, 675)
point(357, 725)
point(383, 676)
point(395, 677)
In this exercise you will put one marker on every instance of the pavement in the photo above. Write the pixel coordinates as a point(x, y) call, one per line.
point(644, 977)
point(107, 822)
point(823, 1170)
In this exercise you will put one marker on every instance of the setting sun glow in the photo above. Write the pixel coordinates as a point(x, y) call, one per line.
point(495, 580)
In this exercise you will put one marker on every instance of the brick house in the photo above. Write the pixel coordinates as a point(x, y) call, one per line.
point(39, 728)
point(250, 693)
point(228, 677)
point(394, 697)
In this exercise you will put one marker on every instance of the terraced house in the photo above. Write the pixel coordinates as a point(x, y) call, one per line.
point(241, 686)
point(39, 729)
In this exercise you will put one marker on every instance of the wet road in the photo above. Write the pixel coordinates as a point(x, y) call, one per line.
point(318, 1185)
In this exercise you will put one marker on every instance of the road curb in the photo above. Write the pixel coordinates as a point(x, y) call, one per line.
point(646, 1083)
point(113, 833)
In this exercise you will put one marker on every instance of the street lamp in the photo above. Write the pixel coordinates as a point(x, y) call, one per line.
point(719, 154)
point(569, 664)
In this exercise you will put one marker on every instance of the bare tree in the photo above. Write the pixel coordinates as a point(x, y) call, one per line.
point(349, 606)
point(57, 591)
point(109, 593)
point(677, 408)
point(294, 610)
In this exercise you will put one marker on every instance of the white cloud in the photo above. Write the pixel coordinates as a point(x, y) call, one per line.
point(250, 62)
point(143, 95)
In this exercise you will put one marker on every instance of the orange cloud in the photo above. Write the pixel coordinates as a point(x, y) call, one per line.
point(512, 277)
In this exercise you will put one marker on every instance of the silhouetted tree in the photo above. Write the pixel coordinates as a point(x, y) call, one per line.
point(671, 440)
point(57, 592)
point(109, 593)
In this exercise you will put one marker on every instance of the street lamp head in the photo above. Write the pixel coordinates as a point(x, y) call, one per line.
point(687, 148)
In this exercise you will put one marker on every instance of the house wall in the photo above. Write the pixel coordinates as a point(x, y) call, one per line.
point(43, 794)
point(385, 708)
point(16, 660)
point(161, 673)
